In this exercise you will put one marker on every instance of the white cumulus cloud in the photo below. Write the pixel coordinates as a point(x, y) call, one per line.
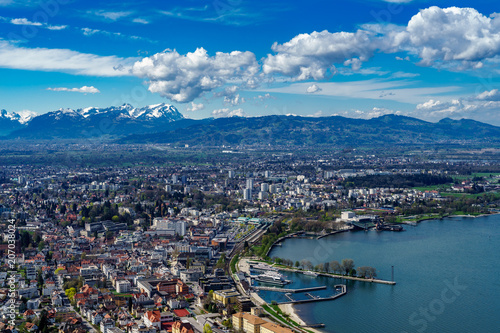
point(84, 89)
point(235, 100)
point(312, 56)
point(24, 21)
point(195, 107)
point(461, 37)
point(182, 78)
point(451, 38)
point(485, 108)
point(313, 89)
point(224, 113)
point(492, 95)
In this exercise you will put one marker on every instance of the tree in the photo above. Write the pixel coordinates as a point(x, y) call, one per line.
point(335, 266)
point(41, 245)
point(70, 293)
point(347, 265)
point(43, 322)
point(130, 304)
point(326, 267)
point(207, 328)
point(367, 272)
point(39, 278)
point(297, 264)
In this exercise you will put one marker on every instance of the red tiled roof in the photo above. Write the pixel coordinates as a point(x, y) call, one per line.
point(181, 313)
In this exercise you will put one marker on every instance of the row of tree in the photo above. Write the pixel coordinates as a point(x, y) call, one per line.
point(345, 267)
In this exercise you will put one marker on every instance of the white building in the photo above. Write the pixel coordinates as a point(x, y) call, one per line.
point(347, 216)
point(263, 195)
point(179, 227)
point(106, 324)
point(123, 286)
point(247, 194)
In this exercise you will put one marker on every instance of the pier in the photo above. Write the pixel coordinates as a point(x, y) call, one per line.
point(285, 290)
point(337, 276)
point(316, 298)
point(319, 325)
point(334, 232)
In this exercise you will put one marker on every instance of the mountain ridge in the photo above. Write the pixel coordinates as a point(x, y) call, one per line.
point(163, 123)
point(336, 130)
point(113, 121)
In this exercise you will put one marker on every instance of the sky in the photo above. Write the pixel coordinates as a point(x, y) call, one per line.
point(221, 58)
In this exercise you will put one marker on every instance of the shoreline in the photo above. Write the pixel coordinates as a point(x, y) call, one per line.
point(450, 216)
point(290, 309)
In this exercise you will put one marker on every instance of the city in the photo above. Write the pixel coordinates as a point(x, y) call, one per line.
point(249, 166)
point(149, 249)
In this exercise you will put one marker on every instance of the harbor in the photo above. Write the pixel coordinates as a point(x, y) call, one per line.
point(388, 308)
point(313, 298)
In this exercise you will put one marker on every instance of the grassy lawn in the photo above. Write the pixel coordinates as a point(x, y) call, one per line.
point(234, 262)
point(278, 315)
point(122, 295)
point(463, 195)
point(440, 187)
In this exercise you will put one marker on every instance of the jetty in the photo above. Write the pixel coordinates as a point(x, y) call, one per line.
point(345, 277)
point(286, 290)
point(318, 325)
point(335, 232)
point(343, 288)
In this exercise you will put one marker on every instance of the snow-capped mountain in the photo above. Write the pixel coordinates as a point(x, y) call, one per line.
point(22, 116)
point(110, 121)
point(149, 112)
point(10, 121)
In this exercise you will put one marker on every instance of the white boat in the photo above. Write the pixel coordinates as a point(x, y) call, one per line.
point(272, 277)
point(311, 273)
point(260, 267)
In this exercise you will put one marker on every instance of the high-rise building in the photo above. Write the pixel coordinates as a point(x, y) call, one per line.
point(264, 187)
point(231, 173)
point(250, 183)
point(263, 195)
point(247, 194)
point(267, 174)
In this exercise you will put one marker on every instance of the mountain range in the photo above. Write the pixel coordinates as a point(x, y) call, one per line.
point(92, 122)
point(338, 131)
point(163, 123)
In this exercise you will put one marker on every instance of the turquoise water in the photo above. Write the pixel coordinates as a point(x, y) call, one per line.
point(447, 273)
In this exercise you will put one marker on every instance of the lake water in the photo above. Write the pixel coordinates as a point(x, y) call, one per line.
point(447, 273)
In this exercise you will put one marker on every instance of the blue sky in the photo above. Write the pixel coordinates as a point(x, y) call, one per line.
point(215, 58)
